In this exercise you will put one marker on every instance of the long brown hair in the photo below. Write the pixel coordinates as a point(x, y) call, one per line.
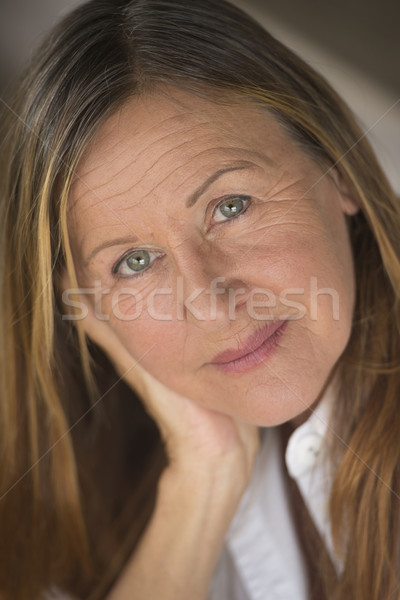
point(80, 458)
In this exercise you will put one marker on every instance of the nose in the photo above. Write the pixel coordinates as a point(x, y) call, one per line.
point(209, 294)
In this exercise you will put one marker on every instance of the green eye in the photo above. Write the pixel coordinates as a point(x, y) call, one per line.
point(231, 207)
point(134, 263)
point(138, 260)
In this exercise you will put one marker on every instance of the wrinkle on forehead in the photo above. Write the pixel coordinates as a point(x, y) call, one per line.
point(123, 164)
point(210, 160)
point(198, 109)
point(168, 116)
point(206, 160)
point(96, 159)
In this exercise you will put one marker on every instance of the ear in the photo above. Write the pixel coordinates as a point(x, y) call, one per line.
point(348, 203)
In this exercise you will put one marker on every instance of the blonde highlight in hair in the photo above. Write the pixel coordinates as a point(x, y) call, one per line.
point(77, 473)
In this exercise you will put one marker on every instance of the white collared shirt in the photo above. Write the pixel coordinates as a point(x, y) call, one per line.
point(261, 558)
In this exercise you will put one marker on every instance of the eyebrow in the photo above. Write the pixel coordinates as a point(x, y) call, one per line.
point(210, 180)
point(132, 239)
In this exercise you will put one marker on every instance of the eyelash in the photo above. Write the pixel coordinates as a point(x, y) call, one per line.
point(215, 208)
point(134, 275)
point(232, 197)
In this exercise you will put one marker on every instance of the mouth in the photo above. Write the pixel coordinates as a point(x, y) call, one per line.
point(253, 352)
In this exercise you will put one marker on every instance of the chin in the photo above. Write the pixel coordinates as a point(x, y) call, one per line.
point(278, 401)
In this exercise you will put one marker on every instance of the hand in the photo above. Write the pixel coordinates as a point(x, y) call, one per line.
point(211, 456)
point(198, 440)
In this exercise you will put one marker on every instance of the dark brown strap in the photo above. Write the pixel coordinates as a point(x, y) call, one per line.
point(320, 569)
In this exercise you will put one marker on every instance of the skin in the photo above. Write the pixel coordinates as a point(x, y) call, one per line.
point(142, 166)
point(134, 180)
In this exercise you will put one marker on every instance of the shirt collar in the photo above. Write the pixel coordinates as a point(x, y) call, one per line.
point(305, 444)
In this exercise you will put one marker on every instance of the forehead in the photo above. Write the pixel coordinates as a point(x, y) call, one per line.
point(167, 137)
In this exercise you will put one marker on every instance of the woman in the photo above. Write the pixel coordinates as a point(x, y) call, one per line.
point(200, 270)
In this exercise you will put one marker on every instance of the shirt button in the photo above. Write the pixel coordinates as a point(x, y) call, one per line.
point(303, 454)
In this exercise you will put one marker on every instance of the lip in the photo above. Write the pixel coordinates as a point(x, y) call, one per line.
point(256, 348)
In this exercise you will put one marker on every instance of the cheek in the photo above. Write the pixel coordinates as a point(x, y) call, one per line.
point(329, 298)
point(157, 343)
point(124, 305)
point(312, 282)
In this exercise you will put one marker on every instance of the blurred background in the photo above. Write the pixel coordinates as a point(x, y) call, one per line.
point(355, 44)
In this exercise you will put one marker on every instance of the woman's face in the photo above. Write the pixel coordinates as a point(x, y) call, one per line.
point(194, 225)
